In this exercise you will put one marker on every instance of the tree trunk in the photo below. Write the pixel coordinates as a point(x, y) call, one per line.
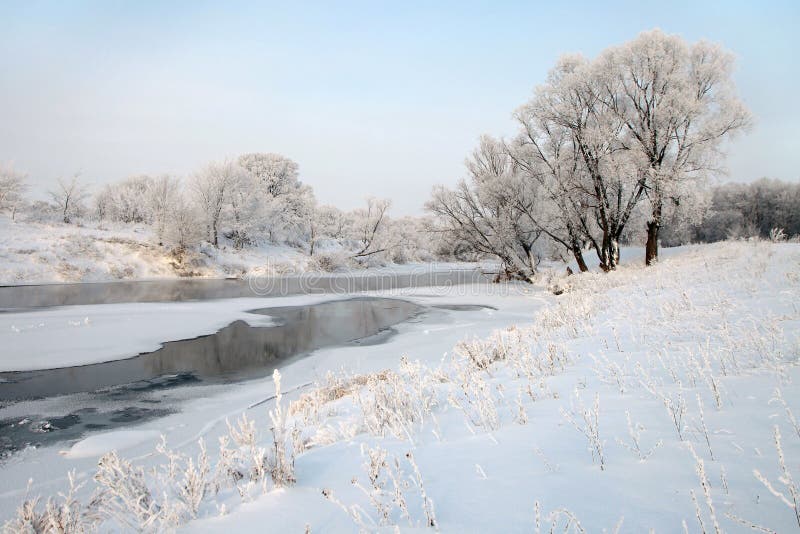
point(653, 226)
point(614, 252)
point(578, 253)
point(510, 270)
point(651, 249)
point(609, 253)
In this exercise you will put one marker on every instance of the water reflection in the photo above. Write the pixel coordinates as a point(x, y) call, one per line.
point(235, 352)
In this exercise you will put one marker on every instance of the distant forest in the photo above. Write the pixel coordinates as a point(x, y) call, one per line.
point(742, 210)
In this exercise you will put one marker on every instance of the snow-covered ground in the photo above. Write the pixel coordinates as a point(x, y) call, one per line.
point(33, 252)
point(635, 400)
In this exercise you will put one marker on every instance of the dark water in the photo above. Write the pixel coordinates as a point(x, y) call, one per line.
point(35, 296)
point(36, 431)
point(234, 353)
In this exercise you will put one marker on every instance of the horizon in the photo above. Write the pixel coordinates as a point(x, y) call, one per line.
point(368, 100)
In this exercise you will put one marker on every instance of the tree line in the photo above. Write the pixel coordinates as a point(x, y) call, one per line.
point(765, 209)
point(615, 149)
point(248, 201)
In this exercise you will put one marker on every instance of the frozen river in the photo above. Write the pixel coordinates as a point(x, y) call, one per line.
point(100, 371)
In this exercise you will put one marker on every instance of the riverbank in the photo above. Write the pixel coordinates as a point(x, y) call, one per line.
point(52, 252)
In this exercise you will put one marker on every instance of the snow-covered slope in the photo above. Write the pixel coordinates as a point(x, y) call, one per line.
point(35, 253)
point(641, 399)
point(644, 398)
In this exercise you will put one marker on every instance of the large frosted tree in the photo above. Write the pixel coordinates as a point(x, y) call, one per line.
point(610, 185)
point(604, 142)
point(677, 104)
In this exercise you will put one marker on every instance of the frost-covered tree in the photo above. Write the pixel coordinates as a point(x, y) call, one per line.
point(745, 210)
point(612, 185)
point(184, 227)
point(547, 154)
point(331, 221)
point(277, 174)
point(677, 104)
point(12, 188)
point(69, 197)
point(414, 241)
point(602, 141)
point(212, 188)
point(140, 199)
point(163, 196)
point(493, 212)
point(368, 227)
point(274, 202)
point(326, 223)
point(125, 201)
point(292, 215)
point(244, 213)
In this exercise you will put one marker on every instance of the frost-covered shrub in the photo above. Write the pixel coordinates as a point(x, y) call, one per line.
point(481, 353)
point(328, 262)
point(388, 490)
point(281, 462)
point(590, 427)
point(61, 515)
point(777, 235)
point(790, 494)
point(124, 495)
point(396, 402)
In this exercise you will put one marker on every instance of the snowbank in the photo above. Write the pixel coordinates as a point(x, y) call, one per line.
point(97, 445)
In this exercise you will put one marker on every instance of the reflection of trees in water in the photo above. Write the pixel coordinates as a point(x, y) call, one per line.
point(237, 348)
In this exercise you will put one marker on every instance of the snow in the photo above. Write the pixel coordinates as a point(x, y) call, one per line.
point(99, 444)
point(718, 323)
point(32, 252)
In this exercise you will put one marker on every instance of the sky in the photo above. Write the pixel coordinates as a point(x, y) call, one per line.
point(371, 99)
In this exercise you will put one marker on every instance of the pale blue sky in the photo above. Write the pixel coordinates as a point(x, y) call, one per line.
point(372, 98)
